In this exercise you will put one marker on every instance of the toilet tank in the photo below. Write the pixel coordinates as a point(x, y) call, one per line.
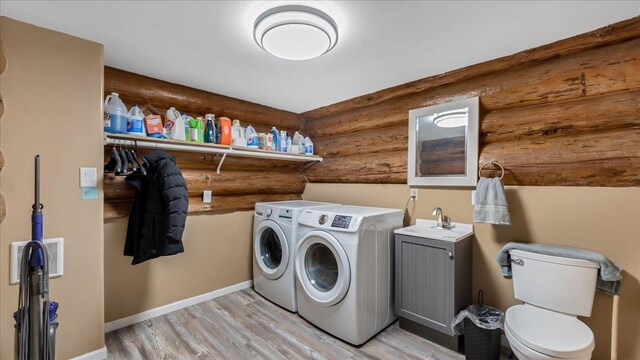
point(556, 283)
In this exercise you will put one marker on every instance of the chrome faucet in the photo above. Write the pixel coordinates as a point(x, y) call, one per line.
point(443, 222)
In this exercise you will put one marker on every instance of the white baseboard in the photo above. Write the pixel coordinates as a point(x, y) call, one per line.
point(146, 315)
point(100, 354)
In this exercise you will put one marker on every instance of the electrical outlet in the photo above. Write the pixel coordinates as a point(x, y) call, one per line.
point(415, 193)
point(206, 196)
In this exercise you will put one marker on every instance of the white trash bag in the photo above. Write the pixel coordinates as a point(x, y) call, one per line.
point(483, 316)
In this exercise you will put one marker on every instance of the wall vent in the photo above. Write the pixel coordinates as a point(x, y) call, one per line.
point(55, 249)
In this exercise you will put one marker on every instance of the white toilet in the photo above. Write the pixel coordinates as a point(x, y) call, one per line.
point(555, 290)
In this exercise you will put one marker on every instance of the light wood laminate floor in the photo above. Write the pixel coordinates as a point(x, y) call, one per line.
point(244, 325)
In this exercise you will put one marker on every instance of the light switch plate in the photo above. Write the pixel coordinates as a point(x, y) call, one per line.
point(473, 197)
point(88, 177)
point(206, 196)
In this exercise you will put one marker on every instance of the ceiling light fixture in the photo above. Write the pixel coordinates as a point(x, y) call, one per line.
point(295, 32)
point(451, 119)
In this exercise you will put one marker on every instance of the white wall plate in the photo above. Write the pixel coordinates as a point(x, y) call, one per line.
point(55, 248)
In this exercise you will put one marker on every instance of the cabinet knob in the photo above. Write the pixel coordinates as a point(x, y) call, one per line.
point(450, 255)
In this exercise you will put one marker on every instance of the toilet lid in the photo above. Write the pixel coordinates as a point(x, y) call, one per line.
point(548, 332)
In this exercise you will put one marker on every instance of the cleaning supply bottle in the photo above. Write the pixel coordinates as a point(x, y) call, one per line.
point(174, 125)
point(298, 141)
point(210, 129)
point(225, 131)
point(237, 134)
point(252, 137)
point(282, 142)
point(196, 132)
point(308, 146)
point(276, 137)
point(115, 114)
point(135, 122)
point(289, 144)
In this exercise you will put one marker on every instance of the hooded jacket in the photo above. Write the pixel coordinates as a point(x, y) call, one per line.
point(159, 211)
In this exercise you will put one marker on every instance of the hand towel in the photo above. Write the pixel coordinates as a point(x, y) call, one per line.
point(491, 203)
point(609, 274)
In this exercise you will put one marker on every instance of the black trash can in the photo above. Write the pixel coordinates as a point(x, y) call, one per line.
point(479, 343)
point(481, 326)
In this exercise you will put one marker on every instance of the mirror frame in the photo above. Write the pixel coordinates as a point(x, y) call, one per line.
point(471, 177)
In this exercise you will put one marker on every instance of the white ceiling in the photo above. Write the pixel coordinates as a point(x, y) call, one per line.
point(209, 45)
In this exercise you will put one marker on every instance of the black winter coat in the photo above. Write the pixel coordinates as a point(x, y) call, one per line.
point(159, 212)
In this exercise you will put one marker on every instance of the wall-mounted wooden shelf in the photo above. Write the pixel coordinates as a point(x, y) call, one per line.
point(224, 150)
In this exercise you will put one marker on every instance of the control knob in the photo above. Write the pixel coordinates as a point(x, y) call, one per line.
point(269, 212)
point(323, 219)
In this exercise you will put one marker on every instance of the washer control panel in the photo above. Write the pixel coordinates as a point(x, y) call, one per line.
point(341, 221)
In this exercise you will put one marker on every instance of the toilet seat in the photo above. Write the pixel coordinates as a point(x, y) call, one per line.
point(549, 333)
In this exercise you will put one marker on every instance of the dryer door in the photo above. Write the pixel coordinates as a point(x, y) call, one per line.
point(322, 267)
point(271, 249)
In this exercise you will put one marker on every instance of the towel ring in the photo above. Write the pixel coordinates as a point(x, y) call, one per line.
point(493, 162)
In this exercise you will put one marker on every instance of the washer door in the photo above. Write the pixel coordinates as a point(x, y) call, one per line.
point(322, 267)
point(271, 249)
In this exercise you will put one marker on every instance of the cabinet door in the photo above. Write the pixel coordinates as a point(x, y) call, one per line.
point(425, 281)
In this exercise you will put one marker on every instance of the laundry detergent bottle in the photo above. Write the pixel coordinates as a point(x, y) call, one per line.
point(174, 125)
point(115, 114)
point(237, 134)
point(135, 122)
point(210, 129)
point(225, 131)
point(252, 137)
point(276, 138)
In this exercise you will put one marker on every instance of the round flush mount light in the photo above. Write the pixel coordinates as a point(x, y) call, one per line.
point(451, 119)
point(295, 32)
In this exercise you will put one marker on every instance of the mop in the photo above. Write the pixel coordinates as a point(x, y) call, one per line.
point(36, 318)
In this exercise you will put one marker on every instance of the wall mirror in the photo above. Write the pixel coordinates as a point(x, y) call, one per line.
point(443, 144)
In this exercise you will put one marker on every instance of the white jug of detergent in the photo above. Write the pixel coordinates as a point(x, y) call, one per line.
point(237, 134)
point(115, 114)
point(174, 125)
point(252, 137)
point(299, 141)
point(135, 122)
point(308, 146)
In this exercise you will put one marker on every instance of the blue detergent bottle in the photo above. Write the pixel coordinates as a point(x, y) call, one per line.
point(276, 136)
point(115, 115)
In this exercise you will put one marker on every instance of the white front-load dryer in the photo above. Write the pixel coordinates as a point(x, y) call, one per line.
point(274, 243)
point(344, 270)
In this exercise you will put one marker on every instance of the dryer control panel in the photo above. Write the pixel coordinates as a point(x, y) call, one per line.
point(341, 221)
point(330, 221)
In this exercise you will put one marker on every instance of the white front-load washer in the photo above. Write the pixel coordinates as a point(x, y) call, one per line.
point(344, 270)
point(275, 228)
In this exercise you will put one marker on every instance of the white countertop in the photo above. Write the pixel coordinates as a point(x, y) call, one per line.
point(427, 229)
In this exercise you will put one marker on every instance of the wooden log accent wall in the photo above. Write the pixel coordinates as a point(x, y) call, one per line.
point(563, 114)
point(242, 181)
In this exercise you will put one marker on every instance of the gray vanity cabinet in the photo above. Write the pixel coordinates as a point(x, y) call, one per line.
point(432, 284)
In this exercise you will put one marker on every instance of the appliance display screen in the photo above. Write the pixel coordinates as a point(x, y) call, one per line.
point(341, 221)
point(285, 214)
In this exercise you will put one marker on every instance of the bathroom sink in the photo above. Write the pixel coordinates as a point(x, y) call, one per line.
point(428, 229)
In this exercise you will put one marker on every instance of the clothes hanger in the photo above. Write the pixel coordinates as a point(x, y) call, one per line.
point(114, 164)
point(132, 161)
point(125, 162)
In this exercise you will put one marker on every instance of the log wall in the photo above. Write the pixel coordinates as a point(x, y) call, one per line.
point(563, 114)
point(242, 181)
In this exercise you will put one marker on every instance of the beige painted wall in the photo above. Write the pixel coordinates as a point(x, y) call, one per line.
point(599, 219)
point(52, 89)
point(217, 254)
